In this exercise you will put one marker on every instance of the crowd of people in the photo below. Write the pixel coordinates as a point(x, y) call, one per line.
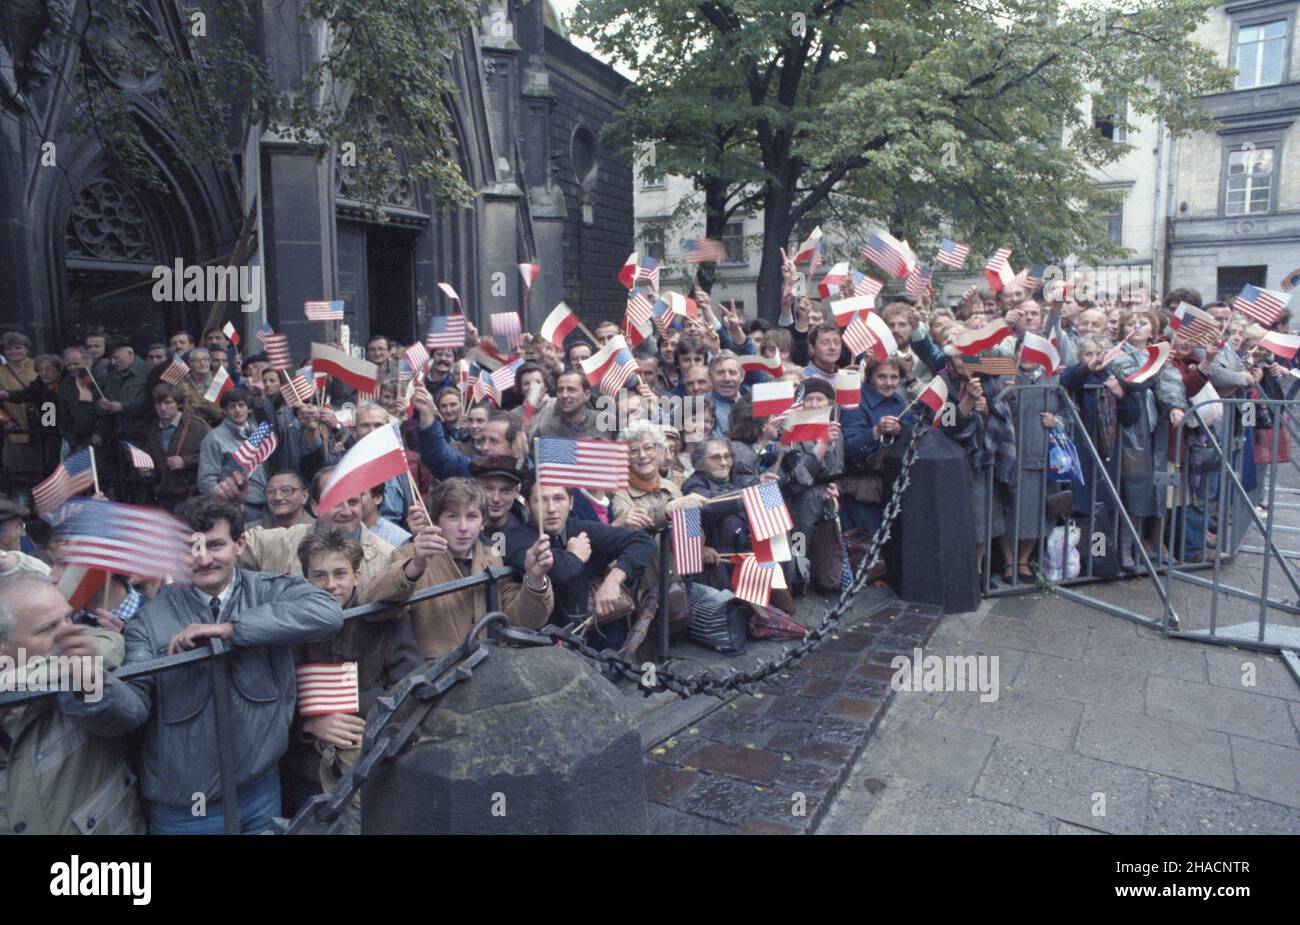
point(276, 570)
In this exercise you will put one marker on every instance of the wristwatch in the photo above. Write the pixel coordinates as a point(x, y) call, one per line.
point(546, 585)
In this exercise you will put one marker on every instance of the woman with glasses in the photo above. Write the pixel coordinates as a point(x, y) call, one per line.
point(726, 528)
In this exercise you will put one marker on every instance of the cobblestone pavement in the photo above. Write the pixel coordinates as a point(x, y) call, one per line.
point(769, 763)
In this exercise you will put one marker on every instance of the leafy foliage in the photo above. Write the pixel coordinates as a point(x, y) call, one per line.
point(378, 79)
point(968, 118)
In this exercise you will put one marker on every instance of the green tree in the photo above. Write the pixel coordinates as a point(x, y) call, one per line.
point(972, 116)
point(377, 80)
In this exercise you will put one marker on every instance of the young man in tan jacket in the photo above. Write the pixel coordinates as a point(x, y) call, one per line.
point(450, 549)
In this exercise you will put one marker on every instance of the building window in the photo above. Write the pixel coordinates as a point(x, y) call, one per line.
point(1115, 224)
point(733, 239)
point(652, 242)
point(1108, 115)
point(1261, 54)
point(1249, 182)
point(653, 181)
point(1231, 279)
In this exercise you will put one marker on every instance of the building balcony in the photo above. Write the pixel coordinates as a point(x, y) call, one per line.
point(1261, 228)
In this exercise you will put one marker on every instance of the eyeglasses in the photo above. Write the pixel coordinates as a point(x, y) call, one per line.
point(647, 450)
point(281, 492)
point(719, 457)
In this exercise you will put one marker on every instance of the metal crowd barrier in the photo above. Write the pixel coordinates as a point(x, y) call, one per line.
point(221, 678)
point(1198, 491)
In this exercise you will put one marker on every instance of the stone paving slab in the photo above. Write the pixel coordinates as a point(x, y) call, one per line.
point(1016, 716)
point(1176, 807)
point(1268, 771)
point(915, 807)
point(1272, 677)
point(1150, 653)
point(1063, 641)
point(1086, 682)
point(1065, 786)
point(1231, 711)
point(1161, 745)
point(932, 752)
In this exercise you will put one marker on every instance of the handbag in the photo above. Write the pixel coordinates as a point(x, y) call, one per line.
point(869, 489)
point(826, 556)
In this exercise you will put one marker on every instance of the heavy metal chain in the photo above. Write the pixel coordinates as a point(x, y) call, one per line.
point(384, 737)
point(653, 678)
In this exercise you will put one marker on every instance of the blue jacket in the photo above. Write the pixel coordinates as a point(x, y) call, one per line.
point(857, 423)
point(442, 459)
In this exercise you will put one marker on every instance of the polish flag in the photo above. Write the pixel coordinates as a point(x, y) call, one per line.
point(559, 324)
point(80, 584)
point(1284, 345)
point(449, 292)
point(627, 275)
point(373, 460)
point(1039, 350)
point(835, 277)
point(1157, 356)
point(998, 271)
point(361, 375)
point(772, 398)
point(221, 384)
point(751, 362)
point(528, 272)
point(848, 388)
point(935, 395)
point(231, 334)
point(809, 247)
point(807, 424)
point(870, 334)
point(858, 306)
point(773, 549)
point(611, 360)
point(986, 338)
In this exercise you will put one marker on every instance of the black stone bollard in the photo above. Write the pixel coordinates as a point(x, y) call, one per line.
point(535, 742)
point(931, 550)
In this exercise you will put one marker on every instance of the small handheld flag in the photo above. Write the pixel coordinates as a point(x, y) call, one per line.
point(257, 449)
point(688, 541)
point(323, 311)
point(952, 254)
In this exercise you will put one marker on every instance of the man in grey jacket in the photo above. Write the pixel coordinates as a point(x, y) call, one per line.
point(262, 616)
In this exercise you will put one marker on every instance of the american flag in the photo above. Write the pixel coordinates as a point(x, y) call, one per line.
point(72, 476)
point(688, 541)
point(753, 580)
point(175, 372)
point(1195, 325)
point(504, 378)
point(276, 347)
point(991, 365)
point(998, 271)
point(445, 331)
point(1030, 276)
point(888, 253)
point(818, 256)
point(766, 509)
point(705, 250)
point(864, 285)
point(952, 254)
point(417, 356)
point(299, 387)
point(918, 281)
point(506, 325)
point(1262, 305)
point(323, 311)
point(648, 270)
point(325, 688)
point(485, 389)
point(566, 463)
point(128, 540)
point(139, 458)
point(257, 448)
point(640, 314)
point(1111, 355)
